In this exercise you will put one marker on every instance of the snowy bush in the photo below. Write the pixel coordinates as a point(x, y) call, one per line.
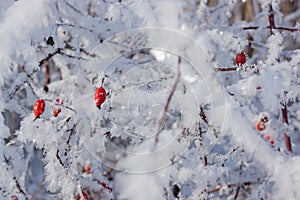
point(180, 118)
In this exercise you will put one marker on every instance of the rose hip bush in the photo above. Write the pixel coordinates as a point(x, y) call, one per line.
point(197, 99)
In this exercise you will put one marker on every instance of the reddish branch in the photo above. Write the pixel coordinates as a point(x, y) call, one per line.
point(62, 105)
point(272, 24)
point(161, 122)
point(203, 115)
point(19, 187)
point(271, 19)
point(285, 121)
point(47, 74)
point(226, 69)
point(277, 28)
point(50, 55)
point(219, 187)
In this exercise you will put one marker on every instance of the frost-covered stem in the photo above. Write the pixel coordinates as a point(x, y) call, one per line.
point(59, 159)
point(239, 185)
point(47, 74)
point(104, 185)
point(62, 105)
point(272, 24)
point(12, 123)
point(205, 160)
point(237, 192)
point(226, 69)
point(277, 28)
point(50, 55)
point(219, 187)
point(285, 121)
point(203, 115)
point(271, 19)
point(161, 122)
point(60, 74)
point(204, 118)
point(19, 187)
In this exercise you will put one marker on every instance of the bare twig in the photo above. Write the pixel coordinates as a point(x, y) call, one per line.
point(272, 25)
point(162, 120)
point(271, 19)
point(199, 137)
point(205, 160)
point(47, 74)
point(237, 192)
point(19, 187)
point(285, 121)
point(239, 185)
point(59, 159)
point(281, 28)
point(219, 187)
point(203, 115)
point(62, 105)
point(226, 69)
point(50, 55)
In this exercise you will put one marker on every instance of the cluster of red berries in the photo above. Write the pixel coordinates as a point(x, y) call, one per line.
point(261, 125)
point(40, 105)
point(57, 110)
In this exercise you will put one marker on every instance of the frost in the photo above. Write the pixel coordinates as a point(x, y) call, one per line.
point(180, 121)
point(16, 29)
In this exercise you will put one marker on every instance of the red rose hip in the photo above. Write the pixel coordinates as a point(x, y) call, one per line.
point(100, 96)
point(56, 112)
point(240, 58)
point(260, 126)
point(87, 169)
point(39, 107)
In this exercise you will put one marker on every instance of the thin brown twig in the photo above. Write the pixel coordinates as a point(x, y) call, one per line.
point(271, 19)
point(225, 69)
point(59, 159)
point(272, 25)
point(19, 187)
point(50, 55)
point(62, 105)
point(219, 187)
point(239, 185)
point(162, 120)
point(237, 192)
point(203, 115)
point(285, 121)
point(277, 28)
point(47, 73)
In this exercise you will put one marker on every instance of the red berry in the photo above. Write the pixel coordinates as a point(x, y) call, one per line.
point(260, 126)
point(104, 185)
point(56, 112)
point(100, 96)
point(59, 101)
point(268, 137)
point(240, 58)
point(39, 107)
point(85, 196)
point(87, 169)
point(14, 197)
